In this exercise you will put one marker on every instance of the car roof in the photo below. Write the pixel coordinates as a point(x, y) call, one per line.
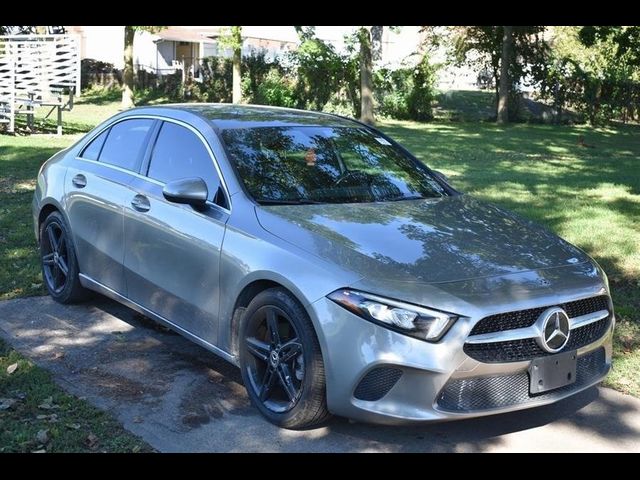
point(227, 116)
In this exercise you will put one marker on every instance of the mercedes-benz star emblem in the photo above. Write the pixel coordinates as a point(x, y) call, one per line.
point(274, 358)
point(554, 329)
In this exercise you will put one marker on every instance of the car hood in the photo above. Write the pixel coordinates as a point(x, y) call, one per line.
point(430, 241)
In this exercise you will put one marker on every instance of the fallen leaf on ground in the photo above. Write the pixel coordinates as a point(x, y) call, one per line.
point(47, 404)
point(6, 403)
point(42, 436)
point(137, 420)
point(12, 368)
point(91, 441)
point(58, 355)
point(42, 450)
point(136, 449)
point(73, 426)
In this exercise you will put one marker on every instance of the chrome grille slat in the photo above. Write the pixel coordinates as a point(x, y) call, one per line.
point(526, 318)
point(589, 320)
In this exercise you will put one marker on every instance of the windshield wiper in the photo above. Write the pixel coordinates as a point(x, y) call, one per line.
point(297, 201)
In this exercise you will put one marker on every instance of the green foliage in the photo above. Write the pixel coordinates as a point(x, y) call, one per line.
point(231, 38)
point(274, 89)
point(406, 93)
point(422, 95)
point(217, 78)
point(591, 71)
point(319, 73)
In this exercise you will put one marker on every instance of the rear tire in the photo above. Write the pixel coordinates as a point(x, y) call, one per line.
point(58, 261)
point(281, 362)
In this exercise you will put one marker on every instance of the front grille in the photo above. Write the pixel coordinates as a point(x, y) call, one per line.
point(526, 318)
point(377, 383)
point(528, 349)
point(484, 393)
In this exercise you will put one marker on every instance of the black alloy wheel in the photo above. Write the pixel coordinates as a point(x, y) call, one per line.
point(58, 259)
point(281, 362)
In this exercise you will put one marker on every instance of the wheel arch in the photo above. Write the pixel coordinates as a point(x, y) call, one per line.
point(248, 292)
point(47, 207)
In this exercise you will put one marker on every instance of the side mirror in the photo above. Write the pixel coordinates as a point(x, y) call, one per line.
point(441, 176)
point(192, 191)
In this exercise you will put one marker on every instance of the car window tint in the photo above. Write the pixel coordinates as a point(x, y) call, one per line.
point(125, 142)
point(92, 150)
point(179, 153)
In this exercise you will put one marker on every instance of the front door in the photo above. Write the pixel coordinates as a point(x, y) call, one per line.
point(184, 54)
point(97, 185)
point(173, 250)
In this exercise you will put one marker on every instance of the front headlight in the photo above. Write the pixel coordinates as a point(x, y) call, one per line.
point(419, 322)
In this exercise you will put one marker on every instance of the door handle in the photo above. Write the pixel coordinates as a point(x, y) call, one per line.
point(79, 181)
point(140, 203)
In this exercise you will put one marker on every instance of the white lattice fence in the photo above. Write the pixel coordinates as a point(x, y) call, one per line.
point(7, 92)
point(37, 68)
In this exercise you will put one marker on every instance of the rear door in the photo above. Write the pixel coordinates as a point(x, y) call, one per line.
point(97, 186)
point(172, 251)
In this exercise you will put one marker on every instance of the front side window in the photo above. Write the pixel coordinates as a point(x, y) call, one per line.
point(92, 151)
point(125, 143)
point(325, 164)
point(179, 153)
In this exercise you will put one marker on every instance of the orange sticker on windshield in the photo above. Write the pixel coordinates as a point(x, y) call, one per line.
point(310, 157)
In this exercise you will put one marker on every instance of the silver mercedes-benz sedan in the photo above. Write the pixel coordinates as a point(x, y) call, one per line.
point(336, 270)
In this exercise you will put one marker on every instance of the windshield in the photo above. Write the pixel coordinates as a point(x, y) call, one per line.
point(325, 165)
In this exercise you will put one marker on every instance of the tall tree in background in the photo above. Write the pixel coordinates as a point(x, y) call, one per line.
point(128, 72)
point(233, 40)
point(505, 61)
point(482, 47)
point(366, 76)
point(370, 39)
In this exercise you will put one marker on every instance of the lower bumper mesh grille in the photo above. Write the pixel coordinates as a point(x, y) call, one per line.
point(484, 393)
point(377, 383)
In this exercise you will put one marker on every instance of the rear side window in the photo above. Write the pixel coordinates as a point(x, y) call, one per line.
point(92, 151)
point(179, 153)
point(125, 142)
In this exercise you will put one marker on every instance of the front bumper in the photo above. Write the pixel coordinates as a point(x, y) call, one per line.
point(421, 381)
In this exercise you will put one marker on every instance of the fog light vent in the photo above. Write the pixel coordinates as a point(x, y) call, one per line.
point(377, 383)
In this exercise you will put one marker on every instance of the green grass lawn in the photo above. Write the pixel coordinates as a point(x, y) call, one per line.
point(37, 415)
point(588, 195)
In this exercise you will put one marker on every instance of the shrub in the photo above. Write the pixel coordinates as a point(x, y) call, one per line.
point(406, 93)
point(274, 89)
point(217, 79)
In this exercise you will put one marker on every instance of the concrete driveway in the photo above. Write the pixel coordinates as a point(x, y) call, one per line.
point(181, 398)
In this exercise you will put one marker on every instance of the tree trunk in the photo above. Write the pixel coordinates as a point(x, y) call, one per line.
point(127, 73)
point(237, 75)
point(366, 78)
point(236, 32)
point(505, 62)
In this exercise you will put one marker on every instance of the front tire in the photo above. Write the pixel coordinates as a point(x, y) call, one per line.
point(281, 362)
point(58, 261)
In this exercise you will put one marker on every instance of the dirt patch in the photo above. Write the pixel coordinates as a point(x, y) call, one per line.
point(211, 398)
point(120, 387)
